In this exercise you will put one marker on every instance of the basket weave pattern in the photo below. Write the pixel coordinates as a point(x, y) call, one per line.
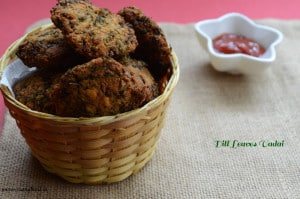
point(91, 153)
point(91, 150)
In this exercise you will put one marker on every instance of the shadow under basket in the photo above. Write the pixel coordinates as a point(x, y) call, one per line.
point(91, 150)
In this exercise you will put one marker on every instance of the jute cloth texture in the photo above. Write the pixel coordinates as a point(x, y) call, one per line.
point(225, 136)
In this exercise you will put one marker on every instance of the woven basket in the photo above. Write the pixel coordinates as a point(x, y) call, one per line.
point(91, 150)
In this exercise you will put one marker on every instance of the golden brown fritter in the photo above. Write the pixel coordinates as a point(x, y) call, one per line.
point(47, 48)
point(33, 90)
point(140, 68)
point(93, 32)
point(153, 46)
point(101, 87)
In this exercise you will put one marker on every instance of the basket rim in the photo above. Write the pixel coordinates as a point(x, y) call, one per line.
point(9, 55)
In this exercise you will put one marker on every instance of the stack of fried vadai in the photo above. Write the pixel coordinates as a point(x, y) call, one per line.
point(93, 62)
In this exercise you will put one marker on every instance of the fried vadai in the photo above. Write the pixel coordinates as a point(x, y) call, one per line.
point(93, 32)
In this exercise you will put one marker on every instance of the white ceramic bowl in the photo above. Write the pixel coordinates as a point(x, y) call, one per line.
point(237, 23)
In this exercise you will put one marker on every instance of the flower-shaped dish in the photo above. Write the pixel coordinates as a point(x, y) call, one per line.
point(236, 23)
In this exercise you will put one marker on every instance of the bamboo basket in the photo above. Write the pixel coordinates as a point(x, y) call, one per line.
point(91, 150)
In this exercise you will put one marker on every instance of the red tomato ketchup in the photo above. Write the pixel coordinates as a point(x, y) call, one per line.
point(229, 43)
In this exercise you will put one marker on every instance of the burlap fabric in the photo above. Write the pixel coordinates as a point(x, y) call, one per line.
point(225, 136)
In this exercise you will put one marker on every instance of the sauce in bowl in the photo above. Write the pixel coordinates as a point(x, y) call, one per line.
point(229, 43)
